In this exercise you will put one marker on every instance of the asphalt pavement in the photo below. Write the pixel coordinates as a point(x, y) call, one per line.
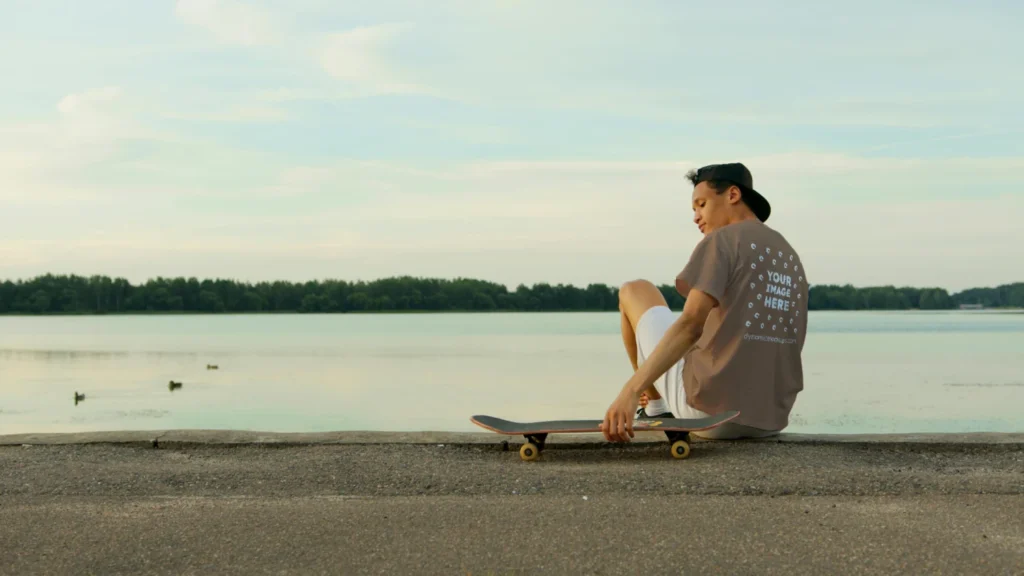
point(765, 507)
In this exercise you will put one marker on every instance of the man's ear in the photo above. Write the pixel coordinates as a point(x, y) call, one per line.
point(735, 194)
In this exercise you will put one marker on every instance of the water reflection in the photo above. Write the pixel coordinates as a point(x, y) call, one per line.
point(873, 372)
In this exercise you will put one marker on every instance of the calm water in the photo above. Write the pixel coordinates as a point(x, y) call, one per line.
point(865, 372)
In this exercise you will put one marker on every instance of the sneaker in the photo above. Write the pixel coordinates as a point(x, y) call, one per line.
point(641, 414)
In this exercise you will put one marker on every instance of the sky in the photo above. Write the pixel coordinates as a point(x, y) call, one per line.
point(511, 141)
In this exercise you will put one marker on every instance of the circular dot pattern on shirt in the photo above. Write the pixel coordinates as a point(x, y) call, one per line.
point(780, 280)
point(779, 284)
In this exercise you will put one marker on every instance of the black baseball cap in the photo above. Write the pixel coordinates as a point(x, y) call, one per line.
point(736, 173)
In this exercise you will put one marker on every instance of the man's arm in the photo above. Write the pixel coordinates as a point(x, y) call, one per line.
point(683, 334)
point(683, 288)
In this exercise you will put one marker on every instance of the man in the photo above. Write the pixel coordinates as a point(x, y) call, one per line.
point(737, 343)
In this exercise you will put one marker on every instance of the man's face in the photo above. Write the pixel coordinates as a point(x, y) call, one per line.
point(710, 209)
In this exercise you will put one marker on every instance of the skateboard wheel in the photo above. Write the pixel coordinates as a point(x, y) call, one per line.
point(680, 449)
point(529, 451)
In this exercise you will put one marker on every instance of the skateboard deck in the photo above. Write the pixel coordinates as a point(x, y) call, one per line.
point(677, 430)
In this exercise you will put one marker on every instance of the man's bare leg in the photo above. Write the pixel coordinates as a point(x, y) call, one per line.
point(635, 298)
point(629, 339)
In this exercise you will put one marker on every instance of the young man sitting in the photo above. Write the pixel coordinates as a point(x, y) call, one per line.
point(738, 341)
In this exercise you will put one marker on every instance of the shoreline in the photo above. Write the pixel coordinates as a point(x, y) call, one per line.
point(994, 310)
point(253, 437)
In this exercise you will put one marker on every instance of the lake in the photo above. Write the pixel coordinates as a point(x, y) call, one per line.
point(866, 372)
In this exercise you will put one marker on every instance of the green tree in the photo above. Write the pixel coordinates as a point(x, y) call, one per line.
point(358, 301)
point(252, 301)
point(482, 301)
point(99, 295)
point(672, 297)
point(1016, 296)
point(210, 301)
point(40, 302)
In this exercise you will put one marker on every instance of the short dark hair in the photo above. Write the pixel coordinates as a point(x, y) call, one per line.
point(719, 186)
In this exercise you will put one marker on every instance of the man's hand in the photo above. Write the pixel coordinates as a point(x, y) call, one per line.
point(684, 333)
point(618, 421)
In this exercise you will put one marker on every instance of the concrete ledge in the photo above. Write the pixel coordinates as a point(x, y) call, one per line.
point(229, 437)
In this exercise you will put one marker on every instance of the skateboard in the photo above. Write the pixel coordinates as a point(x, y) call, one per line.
point(536, 433)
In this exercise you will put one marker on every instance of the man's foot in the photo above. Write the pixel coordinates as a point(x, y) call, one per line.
point(641, 414)
point(650, 409)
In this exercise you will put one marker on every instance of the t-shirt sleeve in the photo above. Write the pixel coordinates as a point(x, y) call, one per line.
point(708, 270)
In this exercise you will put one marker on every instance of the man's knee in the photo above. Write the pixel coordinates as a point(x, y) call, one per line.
point(635, 289)
point(638, 296)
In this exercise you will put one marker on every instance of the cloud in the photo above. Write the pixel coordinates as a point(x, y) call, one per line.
point(854, 219)
point(279, 95)
point(34, 157)
point(302, 180)
point(241, 114)
point(89, 118)
point(801, 70)
point(229, 21)
point(610, 221)
point(92, 132)
point(87, 101)
point(359, 57)
point(463, 132)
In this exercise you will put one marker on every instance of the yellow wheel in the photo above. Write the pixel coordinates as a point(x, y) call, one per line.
point(529, 452)
point(680, 449)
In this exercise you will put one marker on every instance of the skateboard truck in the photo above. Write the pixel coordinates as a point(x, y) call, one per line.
point(680, 443)
point(532, 448)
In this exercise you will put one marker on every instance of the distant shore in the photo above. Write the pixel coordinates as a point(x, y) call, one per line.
point(77, 295)
point(1003, 310)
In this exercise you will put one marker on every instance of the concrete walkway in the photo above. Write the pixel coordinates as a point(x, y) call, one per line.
point(347, 503)
point(308, 438)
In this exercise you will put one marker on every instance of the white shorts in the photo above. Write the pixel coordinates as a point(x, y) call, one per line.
point(649, 331)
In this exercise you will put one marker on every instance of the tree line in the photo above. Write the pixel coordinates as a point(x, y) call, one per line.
point(53, 294)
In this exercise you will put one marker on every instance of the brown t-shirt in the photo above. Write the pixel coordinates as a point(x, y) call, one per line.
point(748, 358)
